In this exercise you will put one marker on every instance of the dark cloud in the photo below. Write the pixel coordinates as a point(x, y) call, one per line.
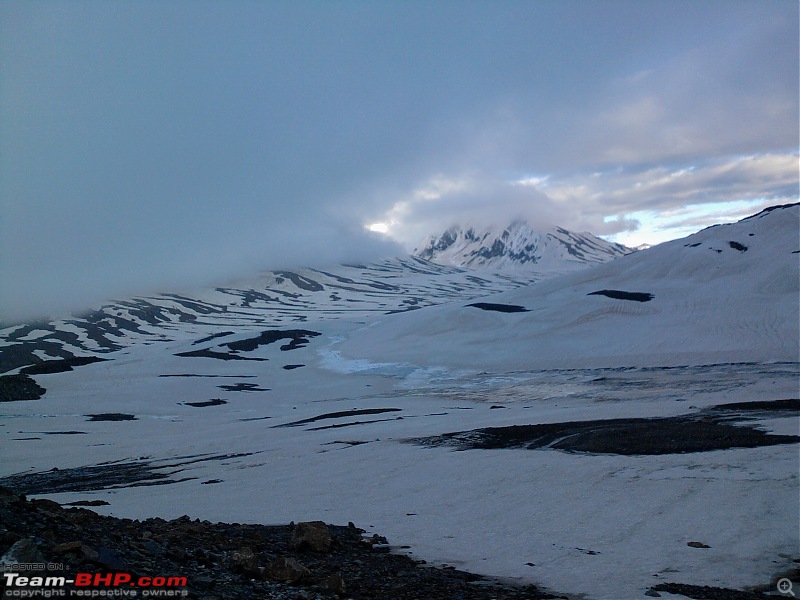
point(145, 146)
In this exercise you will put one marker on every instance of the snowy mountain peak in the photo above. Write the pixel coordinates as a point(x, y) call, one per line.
point(517, 245)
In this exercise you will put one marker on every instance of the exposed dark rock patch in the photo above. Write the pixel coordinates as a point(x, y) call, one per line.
point(113, 475)
point(621, 295)
point(704, 592)
point(769, 209)
point(669, 435)
point(402, 310)
point(230, 560)
point(290, 367)
point(350, 424)
point(206, 353)
point(60, 365)
point(243, 387)
point(19, 387)
point(298, 337)
point(339, 415)
point(504, 308)
point(57, 432)
point(112, 417)
point(789, 404)
point(213, 336)
point(346, 442)
point(88, 503)
point(738, 246)
point(212, 402)
point(210, 376)
point(304, 283)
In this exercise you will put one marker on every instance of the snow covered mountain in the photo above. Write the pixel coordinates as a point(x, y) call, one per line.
point(723, 294)
point(518, 245)
point(599, 416)
point(273, 299)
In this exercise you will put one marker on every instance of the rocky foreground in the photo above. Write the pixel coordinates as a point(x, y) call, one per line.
point(230, 560)
point(221, 561)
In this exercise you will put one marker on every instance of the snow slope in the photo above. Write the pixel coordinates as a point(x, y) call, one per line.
point(278, 297)
point(309, 395)
point(727, 293)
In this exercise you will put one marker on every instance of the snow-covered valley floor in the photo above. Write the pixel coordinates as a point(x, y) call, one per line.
point(608, 526)
point(302, 418)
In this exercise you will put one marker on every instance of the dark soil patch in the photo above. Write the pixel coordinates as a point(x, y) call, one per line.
point(504, 308)
point(339, 415)
point(206, 353)
point(60, 365)
point(112, 417)
point(298, 337)
point(620, 295)
point(19, 387)
point(670, 435)
point(212, 402)
point(231, 560)
point(243, 387)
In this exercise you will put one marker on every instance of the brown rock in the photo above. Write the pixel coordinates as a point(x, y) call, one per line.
point(245, 561)
point(334, 583)
point(7, 494)
point(286, 570)
point(67, 547)
point(313, 535)
point(88, 553)
point(49, 507)
point(23, 551)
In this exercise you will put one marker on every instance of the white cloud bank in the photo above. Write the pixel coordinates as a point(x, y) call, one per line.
point(148, 146)
point(633, 205)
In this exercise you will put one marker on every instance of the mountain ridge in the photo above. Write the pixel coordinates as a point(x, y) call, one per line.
point(700, 294)
point(517, 245)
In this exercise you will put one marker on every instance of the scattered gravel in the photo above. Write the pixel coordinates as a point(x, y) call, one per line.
point(231, 560)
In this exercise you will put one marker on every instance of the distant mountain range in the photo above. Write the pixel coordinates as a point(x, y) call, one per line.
point(518, 245)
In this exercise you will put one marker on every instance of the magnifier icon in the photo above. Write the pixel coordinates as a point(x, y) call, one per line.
point(785, 587)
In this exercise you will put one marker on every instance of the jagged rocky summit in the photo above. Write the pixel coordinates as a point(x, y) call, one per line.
point(518, 245)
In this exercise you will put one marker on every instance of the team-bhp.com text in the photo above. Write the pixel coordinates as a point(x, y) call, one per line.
point(93, 585)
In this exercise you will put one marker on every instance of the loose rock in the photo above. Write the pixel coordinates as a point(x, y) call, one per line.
point(312, 535)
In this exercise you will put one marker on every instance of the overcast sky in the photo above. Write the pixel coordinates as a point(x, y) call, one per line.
point(148, 146)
